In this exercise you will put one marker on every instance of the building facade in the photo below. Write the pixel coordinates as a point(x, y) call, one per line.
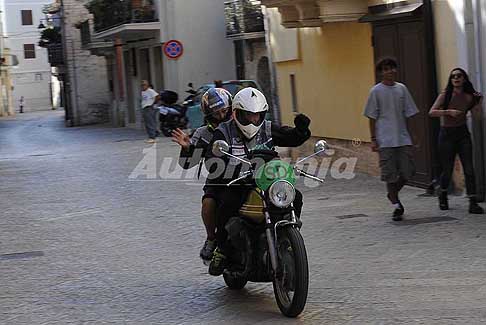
point(83, 76)
point(245, 26)
point(132, 41)
point(31, 79)
point(325, 52)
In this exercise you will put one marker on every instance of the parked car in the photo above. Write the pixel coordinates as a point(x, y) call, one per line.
point(193, 105)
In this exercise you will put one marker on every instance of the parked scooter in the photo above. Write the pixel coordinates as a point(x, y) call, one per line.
point(172, 115)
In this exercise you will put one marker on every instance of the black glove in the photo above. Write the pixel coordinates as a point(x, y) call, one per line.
point(302, 122)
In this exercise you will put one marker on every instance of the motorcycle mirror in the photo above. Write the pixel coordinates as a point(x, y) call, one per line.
point(190, 85)
point(321, 146)
point(220, 147)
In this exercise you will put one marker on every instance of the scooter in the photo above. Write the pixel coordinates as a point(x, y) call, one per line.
point(172, 115)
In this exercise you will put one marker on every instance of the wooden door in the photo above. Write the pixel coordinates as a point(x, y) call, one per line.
point(405, 41)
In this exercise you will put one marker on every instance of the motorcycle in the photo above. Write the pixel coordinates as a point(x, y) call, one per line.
point(172, 115)
point(265, 240)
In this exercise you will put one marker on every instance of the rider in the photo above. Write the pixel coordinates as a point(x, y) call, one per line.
point(216, 108)
point(247, 130)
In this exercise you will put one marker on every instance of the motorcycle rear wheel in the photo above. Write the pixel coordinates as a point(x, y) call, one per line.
point(234, 283)
point(292, 286)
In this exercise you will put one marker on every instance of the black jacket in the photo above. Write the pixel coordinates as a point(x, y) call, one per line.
point(282, 136)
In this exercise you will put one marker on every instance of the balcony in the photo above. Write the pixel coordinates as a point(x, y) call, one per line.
point(244, 19)
point(110, 14)
point(55, 54)
point(96, 47)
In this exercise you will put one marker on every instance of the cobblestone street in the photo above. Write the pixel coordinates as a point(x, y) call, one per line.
point(81, 243)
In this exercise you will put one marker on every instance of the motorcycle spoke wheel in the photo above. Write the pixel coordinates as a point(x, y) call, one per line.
point(291, 284)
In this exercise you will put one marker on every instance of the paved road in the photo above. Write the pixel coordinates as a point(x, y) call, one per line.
point(82, 243)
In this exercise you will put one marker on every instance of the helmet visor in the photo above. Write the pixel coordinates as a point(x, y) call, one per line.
point(247, 118)
point(220, 115)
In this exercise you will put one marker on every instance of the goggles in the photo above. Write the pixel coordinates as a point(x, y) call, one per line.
point(247, 118)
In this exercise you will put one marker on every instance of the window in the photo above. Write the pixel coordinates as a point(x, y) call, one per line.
point(29, 51)
point(293, 92)
point(26, 17)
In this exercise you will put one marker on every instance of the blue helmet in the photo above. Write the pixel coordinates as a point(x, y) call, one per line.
point(214, 100)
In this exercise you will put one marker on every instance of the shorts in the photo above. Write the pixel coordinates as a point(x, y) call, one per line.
point(396, 162)
point(211, 192)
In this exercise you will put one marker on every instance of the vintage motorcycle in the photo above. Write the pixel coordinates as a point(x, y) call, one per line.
point(265, 240)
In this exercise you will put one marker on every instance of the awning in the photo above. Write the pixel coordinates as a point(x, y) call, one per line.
point(392, 13)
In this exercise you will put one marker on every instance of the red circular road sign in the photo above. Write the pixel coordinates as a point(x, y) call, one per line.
point(173, 49)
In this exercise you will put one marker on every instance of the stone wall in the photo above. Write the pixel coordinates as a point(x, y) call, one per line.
point(87, 74)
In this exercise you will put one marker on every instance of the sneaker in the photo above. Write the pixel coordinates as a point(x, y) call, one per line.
point(218, 263)
point(150, 141)
point(398, 213)
point(207, 250)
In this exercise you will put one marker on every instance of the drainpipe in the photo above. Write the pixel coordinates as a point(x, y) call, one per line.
point(480, 130)
point(432, 80)
point(473, 36)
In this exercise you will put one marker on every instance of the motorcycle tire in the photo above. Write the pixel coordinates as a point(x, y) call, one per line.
point(292, 257)
point(234, 283)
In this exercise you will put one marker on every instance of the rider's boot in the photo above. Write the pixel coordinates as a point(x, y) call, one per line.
point(206, 252)
point(218, 263)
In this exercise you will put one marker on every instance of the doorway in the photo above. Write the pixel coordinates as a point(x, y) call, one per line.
point(405, 40)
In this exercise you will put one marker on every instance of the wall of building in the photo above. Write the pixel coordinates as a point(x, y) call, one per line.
point(208, 55)
point(32, 77)
point(450, 38)
point(87, 74)
point(333, 77)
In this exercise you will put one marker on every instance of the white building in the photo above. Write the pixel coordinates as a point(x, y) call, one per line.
point(134, 48)
point(32, 77)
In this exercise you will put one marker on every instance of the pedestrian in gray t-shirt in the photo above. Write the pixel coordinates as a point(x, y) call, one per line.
point(389, 108)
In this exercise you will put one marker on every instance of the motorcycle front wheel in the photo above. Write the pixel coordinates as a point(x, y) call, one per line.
point(291, 284)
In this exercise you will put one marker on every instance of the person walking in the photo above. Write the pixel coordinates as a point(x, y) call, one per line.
point(21, 104)
point(452, 106)
point(149, 97)
point(389, 109)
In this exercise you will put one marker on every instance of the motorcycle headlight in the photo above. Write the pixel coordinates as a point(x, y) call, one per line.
point(281, 194)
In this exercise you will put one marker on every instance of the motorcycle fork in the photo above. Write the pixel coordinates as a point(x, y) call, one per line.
point(270, 240)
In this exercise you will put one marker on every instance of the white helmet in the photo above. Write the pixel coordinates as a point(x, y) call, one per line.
point(249, 100)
